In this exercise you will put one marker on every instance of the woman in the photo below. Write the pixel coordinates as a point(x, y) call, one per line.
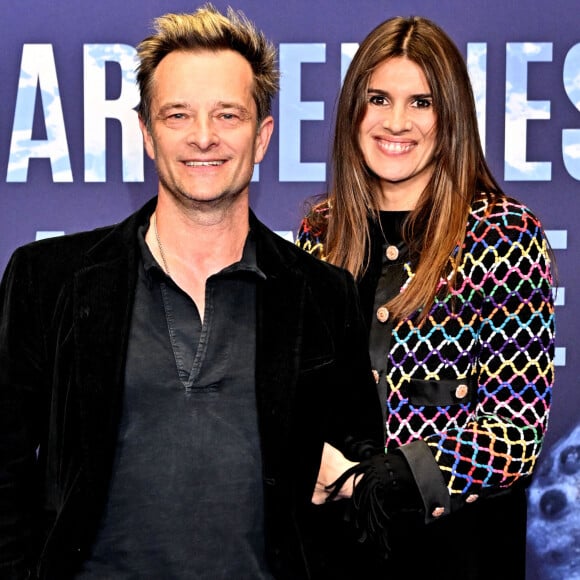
point(455, 281)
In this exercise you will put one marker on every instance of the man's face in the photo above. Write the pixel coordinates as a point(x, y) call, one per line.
point(204, 135)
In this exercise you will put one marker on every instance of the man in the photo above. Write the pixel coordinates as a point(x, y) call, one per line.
point(167, 384)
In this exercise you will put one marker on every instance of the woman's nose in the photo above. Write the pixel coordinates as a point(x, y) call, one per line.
point(396, 120)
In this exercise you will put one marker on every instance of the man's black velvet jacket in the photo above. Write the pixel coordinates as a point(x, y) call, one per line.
point(65, 313)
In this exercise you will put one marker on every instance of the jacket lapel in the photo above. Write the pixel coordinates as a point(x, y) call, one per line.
point(103, 297)
point(102, 317)
point(278, 345)
point(278, 339)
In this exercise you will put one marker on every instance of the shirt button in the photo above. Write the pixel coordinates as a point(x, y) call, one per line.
point(438, 512)
point(392, 253)
point(461, 391)
point(382, 314)
point(471, 498)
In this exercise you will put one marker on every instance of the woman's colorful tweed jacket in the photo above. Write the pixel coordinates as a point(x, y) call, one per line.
point(498, 342)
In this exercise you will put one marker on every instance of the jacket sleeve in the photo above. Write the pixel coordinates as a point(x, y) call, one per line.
point(21, 421)
point(499, 443)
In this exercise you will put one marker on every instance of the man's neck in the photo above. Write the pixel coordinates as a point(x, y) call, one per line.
point(191, 246)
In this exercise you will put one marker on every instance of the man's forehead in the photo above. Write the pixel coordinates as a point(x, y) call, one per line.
point(192, 79)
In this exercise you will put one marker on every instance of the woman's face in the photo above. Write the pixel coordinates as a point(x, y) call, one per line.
point(398, 132)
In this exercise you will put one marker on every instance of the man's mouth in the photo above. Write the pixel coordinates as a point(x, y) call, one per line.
point(204, 163)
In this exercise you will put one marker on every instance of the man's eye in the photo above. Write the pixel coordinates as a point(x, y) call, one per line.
point(171, 117)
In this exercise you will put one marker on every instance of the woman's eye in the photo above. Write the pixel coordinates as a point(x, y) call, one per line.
point(378, 100)
point(423, 103)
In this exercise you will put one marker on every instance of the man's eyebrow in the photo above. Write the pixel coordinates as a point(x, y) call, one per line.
point(175, 105)
point(232, 105)
point(181, 105)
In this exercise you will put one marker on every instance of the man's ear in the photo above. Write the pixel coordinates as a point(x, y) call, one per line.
point(263, 136)
point(147, 138)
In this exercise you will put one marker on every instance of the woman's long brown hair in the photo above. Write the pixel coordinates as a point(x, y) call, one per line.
point(436, 226)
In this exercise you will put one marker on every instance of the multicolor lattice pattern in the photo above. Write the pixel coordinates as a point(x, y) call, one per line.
point(501, 332)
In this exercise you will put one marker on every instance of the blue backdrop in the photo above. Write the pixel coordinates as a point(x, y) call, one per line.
point(71, 155)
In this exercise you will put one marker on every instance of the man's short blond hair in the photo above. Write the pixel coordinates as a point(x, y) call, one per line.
point(209, 29)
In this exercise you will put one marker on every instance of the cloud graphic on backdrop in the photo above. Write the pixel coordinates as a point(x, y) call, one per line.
point(477, 65)
point(570, 137)
point(108, 68)
point(99, 107)
point(519, 110)
point(38, 72)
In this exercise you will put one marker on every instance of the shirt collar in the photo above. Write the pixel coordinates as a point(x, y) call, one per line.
point(248, 262)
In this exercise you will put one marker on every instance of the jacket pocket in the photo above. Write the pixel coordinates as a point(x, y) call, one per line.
point(308, 365)
point(440, 393)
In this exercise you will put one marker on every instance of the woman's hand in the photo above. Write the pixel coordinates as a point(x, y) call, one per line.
point(332, 465)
